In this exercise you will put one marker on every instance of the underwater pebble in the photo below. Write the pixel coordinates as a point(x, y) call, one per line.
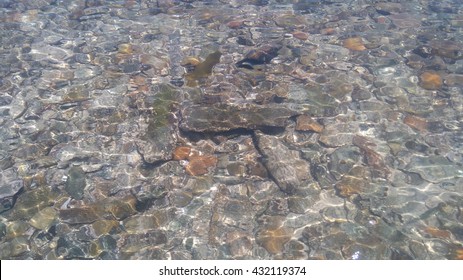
point(306, 123)
point(354, 43)
point(430, 80)
point(200, 165)
point(181, 153)
point(301, 35)
point(417, 123)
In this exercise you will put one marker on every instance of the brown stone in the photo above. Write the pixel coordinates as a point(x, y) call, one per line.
point(121, 209)
point(437, 233)
point(236, 169)
point(203, 69)
point(83, 215)
point(354, 43)
point(257, 169)
point(350, 185)
point(373, 159)
point(417, 123)
point(306, 123)
point(207, 15)
point(381, 20)
point(235, 23)
point(456, 254)
point(430, 80)
point(125, 49)
point(300, 35)
point(328, 31)
point(104, 226)
point(190, 61)
point(199, 165)
point(274, 240)
point(181, 153)
point(139, 80)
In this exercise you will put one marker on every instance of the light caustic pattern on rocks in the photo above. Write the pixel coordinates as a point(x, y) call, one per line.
point(231, 129)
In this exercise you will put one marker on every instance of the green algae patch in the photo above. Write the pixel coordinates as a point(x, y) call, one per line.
point(203, 69)
point(32, 201)
point(163, 104)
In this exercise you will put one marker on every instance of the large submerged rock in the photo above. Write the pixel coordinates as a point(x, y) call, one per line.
point(289, 171)
point(158, 141)
point(225, 117)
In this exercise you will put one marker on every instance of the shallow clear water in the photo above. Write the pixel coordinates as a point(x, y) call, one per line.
point(231, 129)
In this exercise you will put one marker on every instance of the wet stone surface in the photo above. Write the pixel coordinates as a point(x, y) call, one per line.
point(231, 130)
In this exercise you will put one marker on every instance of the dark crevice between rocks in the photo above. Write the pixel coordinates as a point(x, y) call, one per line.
point(151, 165)
point(145, 202)
point(260, 56)
point(8, 203)
point(321, 174)
point(272, 130)
point(194, 136)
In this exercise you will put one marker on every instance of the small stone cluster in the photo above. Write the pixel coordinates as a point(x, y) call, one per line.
point(231, 129)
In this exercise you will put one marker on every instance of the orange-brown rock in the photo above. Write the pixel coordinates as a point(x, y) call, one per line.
point(430, 80)
point(139, 80)
point(328, 31)
point(355, 44)
point(104, 226)
point(274, 240)
point(122, 208)
point(417, 123)
point(301, 35)
point(373, 159)
point(200, 165)
point(455, 252)
point(306, 123)
point(356, 182)
point(190, 61)
point(349, 186)
point(438, 233)
point(125, 49)
point(235, 23)
point(381, 20)
point(181, 153)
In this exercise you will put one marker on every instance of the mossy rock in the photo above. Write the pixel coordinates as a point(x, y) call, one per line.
point(163, 103)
